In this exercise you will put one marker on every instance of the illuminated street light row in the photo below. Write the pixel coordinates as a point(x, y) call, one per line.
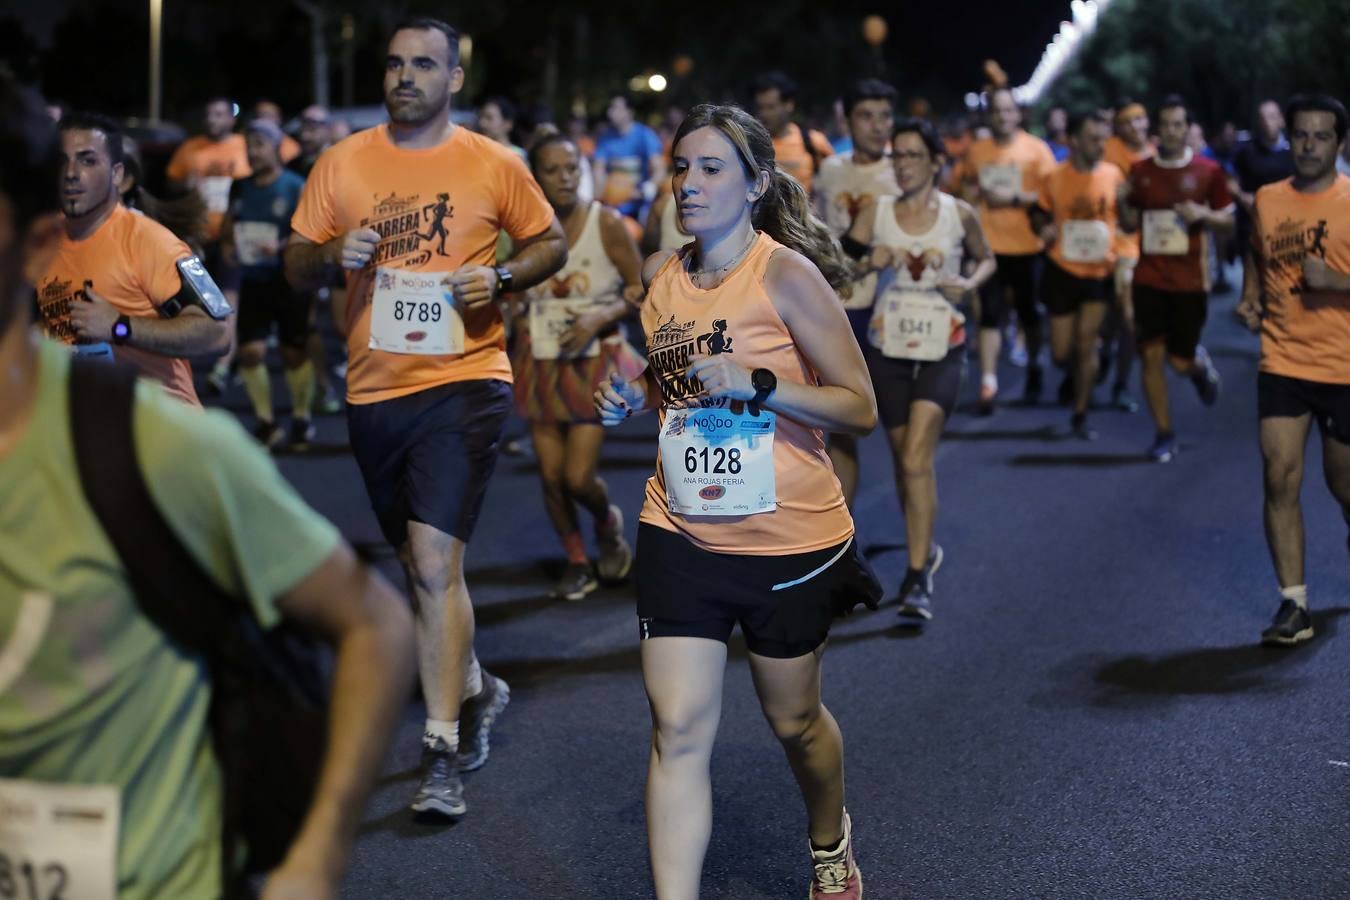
point(1062, 48)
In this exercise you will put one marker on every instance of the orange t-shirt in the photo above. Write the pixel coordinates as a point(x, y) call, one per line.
point(289, 149)
point(131, 261)
point(464, 192)
point(1305, 334)
point(1070, 195)
point(1119, 154)
point(210, 167)
point(790, 152)
point(678, 319)
point(1008, 228)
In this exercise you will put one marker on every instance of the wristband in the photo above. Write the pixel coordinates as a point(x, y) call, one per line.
point(855, 249)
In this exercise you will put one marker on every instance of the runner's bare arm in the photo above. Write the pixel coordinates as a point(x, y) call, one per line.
point(617, 399)
point(1127, 214)
point(623, 252)
point(310, 266)
point(227, 248)
point(843, 401)
point(651, 232)
point(977, 247)
point(1250, 308)
point(191, 333)
point(371, 631)
point(535, 259)
point(861, 231)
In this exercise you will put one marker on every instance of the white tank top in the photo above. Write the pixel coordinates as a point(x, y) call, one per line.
point(671, 236)
point(589, 272)
point(920, 259)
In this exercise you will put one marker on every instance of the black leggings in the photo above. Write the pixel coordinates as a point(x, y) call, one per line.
point(1018, 275)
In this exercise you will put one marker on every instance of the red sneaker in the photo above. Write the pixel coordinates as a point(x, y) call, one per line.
point(837, 875)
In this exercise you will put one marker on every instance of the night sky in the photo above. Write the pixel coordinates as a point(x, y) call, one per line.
point(937, 48)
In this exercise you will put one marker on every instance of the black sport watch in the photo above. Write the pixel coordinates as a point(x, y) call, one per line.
point(765, 383)
point(504, 279)
point(121, 330)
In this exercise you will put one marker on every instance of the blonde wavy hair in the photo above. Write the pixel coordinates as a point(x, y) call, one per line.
point(784, 213)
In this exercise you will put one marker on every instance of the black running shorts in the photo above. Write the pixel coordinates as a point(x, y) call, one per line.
point(428, 457)
point(264, 301)
point(784, 604)
point(898, 383)
point(1015, 276)
point(1174, 317)
point(1329, 404)
point(1065, 293)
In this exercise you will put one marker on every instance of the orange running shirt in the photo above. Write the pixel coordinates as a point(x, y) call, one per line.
point(437, 209)
point(209, 167)
point(1119, 154)
point(679, 319)
point(1070, 195)
point(1008, 228)
point(790, 152)
point(1304, 334)
point(289, 149)
point(132, 261)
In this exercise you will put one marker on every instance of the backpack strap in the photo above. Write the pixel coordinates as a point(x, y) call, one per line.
point(170, 587)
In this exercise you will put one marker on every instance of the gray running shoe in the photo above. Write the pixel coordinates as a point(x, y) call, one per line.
point(476, 717)
point(576, 582)
point(1206, 378)
point(441, 791)
point(916, 593)
point(616, 557)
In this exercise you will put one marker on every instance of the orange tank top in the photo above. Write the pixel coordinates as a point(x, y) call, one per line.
point(738, 317)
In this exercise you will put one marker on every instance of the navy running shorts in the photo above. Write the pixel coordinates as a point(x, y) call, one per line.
point(427, 457)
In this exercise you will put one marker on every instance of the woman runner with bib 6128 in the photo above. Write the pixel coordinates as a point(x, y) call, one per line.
point(917, 338)
point(569, 343)
point(751, 362)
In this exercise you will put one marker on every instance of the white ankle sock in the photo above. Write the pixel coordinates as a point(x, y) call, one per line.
point(446, 731)
point(473, 681)
point(1298, 593)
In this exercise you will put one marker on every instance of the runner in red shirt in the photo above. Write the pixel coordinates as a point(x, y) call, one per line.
point(1173, 198)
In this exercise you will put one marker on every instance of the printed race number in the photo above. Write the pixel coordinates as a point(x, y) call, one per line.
point(916, 325)
point(23, 879)
point(58, 841)
point(712, 461)
point(716, 462)
point(415, 313)
point(412, 311)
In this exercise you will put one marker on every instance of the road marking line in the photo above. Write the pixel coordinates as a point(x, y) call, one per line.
point(1341, 763)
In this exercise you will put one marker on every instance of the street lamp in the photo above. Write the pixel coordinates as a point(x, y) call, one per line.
point(156, 55)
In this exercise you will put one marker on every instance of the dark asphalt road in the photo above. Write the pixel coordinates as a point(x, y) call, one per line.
point(1089, 715)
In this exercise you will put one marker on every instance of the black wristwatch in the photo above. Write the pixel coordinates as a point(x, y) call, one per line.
point(121, 330)
point(765, 383)
point(503, 279)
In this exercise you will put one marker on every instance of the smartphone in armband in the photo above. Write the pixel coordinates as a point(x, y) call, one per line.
point(198, 288)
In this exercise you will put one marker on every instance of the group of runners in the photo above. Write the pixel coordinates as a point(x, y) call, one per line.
point(792, 298)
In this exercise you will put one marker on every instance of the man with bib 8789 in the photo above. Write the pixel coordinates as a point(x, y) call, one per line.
point(916, 343)
point(751, 362)
point(411, 210)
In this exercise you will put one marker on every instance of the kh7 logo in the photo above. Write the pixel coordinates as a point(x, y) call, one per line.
point(713, 492)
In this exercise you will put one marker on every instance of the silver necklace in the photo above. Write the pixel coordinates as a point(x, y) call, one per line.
point(728, 266)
